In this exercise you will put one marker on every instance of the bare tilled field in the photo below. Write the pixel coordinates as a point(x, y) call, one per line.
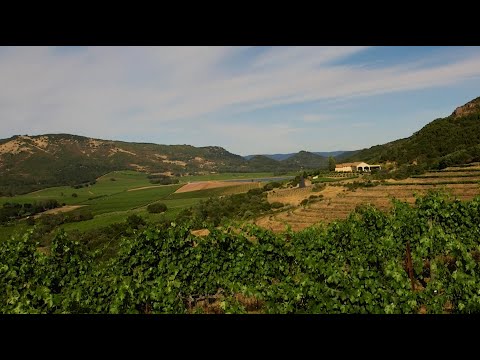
point(59, 210)
point(337, 202)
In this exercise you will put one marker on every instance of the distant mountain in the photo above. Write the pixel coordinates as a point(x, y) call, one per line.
point(33, 162)
point(345, 155)
point(29, 163)
point(306, 160)
point(280, 157)
point(264, 163)
point(443, 142)
point(277, 157)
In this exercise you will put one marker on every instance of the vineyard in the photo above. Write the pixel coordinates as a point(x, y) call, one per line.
point(338, 201)
point(290, 196)
point(409, 259)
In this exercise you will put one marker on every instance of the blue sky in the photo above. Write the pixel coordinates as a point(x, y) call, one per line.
point(249, 100)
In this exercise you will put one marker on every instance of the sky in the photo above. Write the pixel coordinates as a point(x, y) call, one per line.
point(249, 100)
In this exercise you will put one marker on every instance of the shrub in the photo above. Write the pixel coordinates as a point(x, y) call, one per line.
point(134, 221)
point(277, 205)
point(78, 216)
point(164, 181)
point(318, 187)
point(156, 208)
point(255, 191)
point(267, 187)
point(248, 214)
point(74, 195)
point(271, 185)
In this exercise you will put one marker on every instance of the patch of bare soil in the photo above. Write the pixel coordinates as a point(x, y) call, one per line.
point(14, 147)
point(176, 162)
point(201, 232)
point(41, 142)
point(62, 209)
point(115, 150)
point(138, 167)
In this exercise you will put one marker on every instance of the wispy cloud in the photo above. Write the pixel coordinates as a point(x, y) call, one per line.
point(107, 91)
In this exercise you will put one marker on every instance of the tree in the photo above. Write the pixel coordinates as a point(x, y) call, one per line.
point(331, 163)
point(156, 208)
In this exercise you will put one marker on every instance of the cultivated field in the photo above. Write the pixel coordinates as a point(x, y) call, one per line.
point(119, 194)
point(205, 185)
point(338, 202)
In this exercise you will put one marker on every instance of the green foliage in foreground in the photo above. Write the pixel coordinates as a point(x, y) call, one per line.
point(351, 266)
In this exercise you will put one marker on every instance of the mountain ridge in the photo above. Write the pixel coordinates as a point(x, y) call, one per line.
point(281, 157)
point(29, 163)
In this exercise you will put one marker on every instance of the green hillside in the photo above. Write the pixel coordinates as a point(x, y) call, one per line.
point(306, 160)
point(30, 163)
point(264, 163)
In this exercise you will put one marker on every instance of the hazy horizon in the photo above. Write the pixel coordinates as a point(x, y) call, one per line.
point(248, 100)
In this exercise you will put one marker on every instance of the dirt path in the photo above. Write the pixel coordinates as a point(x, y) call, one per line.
point(145, 187)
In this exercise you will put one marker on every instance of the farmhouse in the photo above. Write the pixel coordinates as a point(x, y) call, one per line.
point(356, 166)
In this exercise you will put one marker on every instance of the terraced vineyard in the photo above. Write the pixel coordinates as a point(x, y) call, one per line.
point(290, 196)
point(338, 202)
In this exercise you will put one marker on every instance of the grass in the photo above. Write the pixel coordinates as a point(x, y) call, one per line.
point(110, 202)
point(124, 180)
point(127, 200)
point(7, 231)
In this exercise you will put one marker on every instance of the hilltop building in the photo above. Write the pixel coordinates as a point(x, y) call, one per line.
point(356, 166)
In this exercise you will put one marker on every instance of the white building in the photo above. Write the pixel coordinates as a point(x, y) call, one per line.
point(356, 166)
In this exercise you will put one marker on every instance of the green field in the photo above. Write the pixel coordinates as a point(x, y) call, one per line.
point(111, 202)
point(108, 218)
point(124, 180)
point(127, 200)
